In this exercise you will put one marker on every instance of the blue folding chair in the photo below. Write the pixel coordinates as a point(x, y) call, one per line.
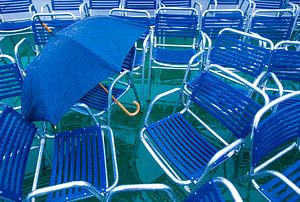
point(273, 138)
point(16, 135)
point(176, 3)
point(16, 17)
point(269, 4)
point(284, 71)
point(214, 20)
point(241, 53)
point(276, 25)
point(174, 41)
point(99, 7)
point(11, 79)
point(187, 155)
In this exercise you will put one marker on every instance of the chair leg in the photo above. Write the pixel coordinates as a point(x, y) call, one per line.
point(132, 85)
point(149, 83)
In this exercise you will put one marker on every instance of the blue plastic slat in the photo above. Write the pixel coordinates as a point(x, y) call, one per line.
point(16, 136)
point(212, 25)
point(41, 35)
point(226, 103)
point(276, 190)
point(78, 155)
point(8, 26)
point(11, 81)
point(60, 5)
point(141, 4)
point(275, 28)
point(176, 25)
point(275, 130)
point(104, 4)
point(270, 4)
point(208, 192)
point(285, 64)
point(14, 6)
point(182, 145)
point(177, 3)
point(230, 51)
point(173, 56)
point(225, 2)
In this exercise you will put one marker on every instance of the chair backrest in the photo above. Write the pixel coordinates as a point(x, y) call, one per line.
point(176, 23)
point(241, 51)
point(214, 20)
point(270, 4)
point(177, 3)
point(86, 164)
point(141, 5)
point(63, 5)
point(16, 136)
point(11, 79)
point(55, 21)
point(276, 25)
point(285, 62)
point(226, 103)
point(104, 4)
point(14, 6)
point(277, 129)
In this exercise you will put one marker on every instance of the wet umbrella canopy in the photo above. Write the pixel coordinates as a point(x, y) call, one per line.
point(75, 60)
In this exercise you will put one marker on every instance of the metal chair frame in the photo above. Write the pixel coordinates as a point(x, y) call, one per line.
point(102, 6)
point(228, 150)
point(64, 6)
point(159, 37)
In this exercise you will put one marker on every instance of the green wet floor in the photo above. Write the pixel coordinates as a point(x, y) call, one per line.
point(143, 169)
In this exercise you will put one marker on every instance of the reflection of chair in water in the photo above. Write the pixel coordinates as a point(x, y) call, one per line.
point(11, 79)
point(18, 25)
point(273, 139)
point(187, 155)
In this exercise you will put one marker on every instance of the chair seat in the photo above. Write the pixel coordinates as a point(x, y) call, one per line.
point(276, 190)
point(78, 155)
point(173, 56)
point(208, 192)
point(97, 98)
point(17, 25)
point(182, 145)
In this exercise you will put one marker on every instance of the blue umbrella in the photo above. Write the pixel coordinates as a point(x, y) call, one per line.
point(75, 60)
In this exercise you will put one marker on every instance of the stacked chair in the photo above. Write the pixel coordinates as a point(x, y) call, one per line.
point(99, 7)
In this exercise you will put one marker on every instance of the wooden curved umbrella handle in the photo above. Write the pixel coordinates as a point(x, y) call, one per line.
point(138, 108)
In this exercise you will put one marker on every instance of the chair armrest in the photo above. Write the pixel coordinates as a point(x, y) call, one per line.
point(67, 185)
point(23, 41)
point(158, 97)
point(233, 191)
point(142, 187)
point(228, 150)
point(46, 6)
point(274, 173)
point(110, 137)
point(84, 10)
